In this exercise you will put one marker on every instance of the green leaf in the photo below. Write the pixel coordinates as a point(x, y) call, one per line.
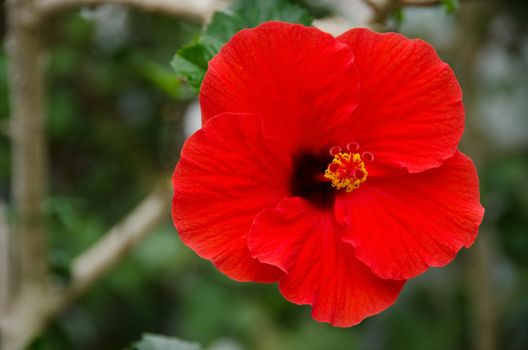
point(158, 342)
point(190, 62)
point(450, 5)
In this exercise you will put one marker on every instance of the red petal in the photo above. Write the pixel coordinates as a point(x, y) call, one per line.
point(227, 174)
point(321, 269)
point(402, 225)
point(410, 112)
point(301, 81)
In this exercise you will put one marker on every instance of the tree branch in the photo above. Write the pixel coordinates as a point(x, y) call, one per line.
point(198, 10)
point(28, 153)
point(421, 3)
point(36, 300)
point(383, 10)
point(35, 307)
point(116, 243)
point(28, 186)
point(4, 259)
point(483, 301)
point(472, 35)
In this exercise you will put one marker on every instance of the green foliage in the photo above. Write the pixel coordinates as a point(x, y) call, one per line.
point(398, 16)
point(110, 114)
point(450, 5)
point(157, 342)
point(505, 182)
point(60, 263)
point(190, 62)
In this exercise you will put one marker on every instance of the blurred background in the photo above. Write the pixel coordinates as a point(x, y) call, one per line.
point(117, 117)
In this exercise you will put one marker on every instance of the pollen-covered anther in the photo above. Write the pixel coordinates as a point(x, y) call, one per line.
point(346, 171)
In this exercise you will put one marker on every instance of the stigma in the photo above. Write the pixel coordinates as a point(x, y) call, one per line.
point(347, 170)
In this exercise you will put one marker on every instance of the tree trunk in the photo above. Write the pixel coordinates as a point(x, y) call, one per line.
point(26, 79)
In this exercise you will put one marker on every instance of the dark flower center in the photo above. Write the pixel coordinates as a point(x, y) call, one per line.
point(308, 179)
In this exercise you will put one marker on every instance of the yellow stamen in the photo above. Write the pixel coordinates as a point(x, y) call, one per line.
point(346, 171)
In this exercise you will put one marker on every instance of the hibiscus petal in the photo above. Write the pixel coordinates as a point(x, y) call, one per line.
point(321, 269)
point(402, 225)
point(410, 112)
point(227, 174)
point(298, 79)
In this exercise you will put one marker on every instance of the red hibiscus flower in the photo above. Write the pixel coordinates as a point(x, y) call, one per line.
point(328, 165)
